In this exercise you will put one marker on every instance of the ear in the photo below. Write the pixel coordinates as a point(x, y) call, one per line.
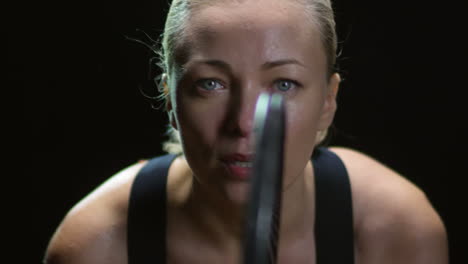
point(163, 86)
point(329, 106)
point(172, 120)
point(171, 114)
point(169, 108)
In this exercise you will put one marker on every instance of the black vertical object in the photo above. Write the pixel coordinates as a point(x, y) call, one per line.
point(146, 228)
point(334, 233)
point(262, 232)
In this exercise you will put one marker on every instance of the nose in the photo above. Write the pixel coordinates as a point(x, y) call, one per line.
point(240, 118)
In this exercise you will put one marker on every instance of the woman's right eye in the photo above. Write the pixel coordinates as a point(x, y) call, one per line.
point(209, 84)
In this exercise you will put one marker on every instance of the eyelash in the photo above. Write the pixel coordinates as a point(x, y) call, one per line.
point(201, 81)
point(295, 84)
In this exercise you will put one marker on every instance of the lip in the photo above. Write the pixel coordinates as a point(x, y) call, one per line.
point(237, 157)
point(237, 172)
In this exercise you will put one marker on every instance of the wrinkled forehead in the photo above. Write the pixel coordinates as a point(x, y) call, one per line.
point(248, 15)
point(260, 28)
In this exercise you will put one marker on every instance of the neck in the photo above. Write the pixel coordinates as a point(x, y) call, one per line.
point(298, 206)
point(223, 220)
point(219, 218)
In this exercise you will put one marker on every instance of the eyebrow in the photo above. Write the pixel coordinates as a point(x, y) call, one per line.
point(271, 64)
point(266, 66)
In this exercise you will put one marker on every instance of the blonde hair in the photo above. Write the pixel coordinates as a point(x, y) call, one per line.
point(172, 51)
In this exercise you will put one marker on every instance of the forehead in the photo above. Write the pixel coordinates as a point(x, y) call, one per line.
point(247, 15)
point(247, 12)
point(266, 27)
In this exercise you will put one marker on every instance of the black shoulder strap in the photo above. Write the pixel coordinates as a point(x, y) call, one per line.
point(146, 227)
point(334, 236)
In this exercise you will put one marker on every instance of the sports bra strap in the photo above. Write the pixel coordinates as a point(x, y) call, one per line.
point(334, 233)
point(333, 224)
point(146, 230)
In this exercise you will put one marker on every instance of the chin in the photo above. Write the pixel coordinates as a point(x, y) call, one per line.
point(238, 192)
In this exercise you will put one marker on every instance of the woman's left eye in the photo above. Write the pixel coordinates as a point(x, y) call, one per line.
point(209, 84)
point(286, 85)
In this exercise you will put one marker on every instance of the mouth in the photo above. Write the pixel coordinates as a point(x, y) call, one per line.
point(238, 166)
point(242, 164)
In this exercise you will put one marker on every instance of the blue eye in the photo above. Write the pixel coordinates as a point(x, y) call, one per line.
point(286, 85)
point(209, 84)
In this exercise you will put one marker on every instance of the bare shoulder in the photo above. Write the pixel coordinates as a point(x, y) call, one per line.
point(376, 186)
point(94, 230)
point(394, 220)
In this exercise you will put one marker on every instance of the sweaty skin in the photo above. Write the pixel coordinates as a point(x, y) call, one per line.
point(235, 51)
point(216, 97)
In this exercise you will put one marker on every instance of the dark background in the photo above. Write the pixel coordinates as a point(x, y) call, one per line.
point(402, 101)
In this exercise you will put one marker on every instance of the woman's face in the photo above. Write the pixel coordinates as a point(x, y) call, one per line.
point(235, 52)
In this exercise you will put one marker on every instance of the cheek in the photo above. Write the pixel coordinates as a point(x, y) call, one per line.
point(300, 136)
point(199, 122)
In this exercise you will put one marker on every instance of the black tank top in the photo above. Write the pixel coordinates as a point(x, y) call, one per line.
point(334, 236)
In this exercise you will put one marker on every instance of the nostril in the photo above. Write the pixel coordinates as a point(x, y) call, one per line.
point(239, 123)
point(245, 122)
point(240, 116)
